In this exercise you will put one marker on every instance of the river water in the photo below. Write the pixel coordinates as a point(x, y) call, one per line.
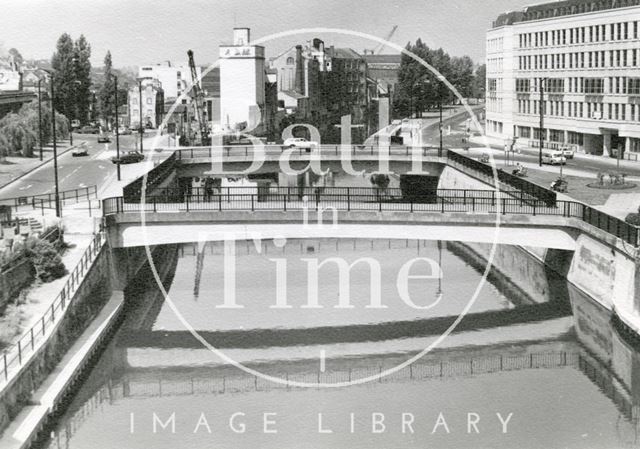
point(531, 365)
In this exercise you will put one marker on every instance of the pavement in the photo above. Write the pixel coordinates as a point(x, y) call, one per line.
point(80, 219)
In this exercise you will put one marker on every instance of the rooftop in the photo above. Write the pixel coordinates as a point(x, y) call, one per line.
point(382, 59)
point(560, 9)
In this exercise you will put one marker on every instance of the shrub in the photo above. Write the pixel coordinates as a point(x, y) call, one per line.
point(46, 261)
point(633, 219)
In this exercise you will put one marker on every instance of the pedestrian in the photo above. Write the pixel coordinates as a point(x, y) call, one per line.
point(208, 188)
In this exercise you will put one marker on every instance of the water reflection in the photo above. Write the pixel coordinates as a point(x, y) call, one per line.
point(556, 365)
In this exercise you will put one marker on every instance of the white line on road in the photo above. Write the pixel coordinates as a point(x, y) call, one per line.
point(26, 187)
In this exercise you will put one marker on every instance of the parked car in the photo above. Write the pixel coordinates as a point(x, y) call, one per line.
point(124, 131)
point(129, 157)
point(299, 142)
point(568, 152)
point(80, 151)
point(104, 138)
point(75, 124)
point(89, 130)
point(553, 158)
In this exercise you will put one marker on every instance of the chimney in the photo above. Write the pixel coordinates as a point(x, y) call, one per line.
point(299, 80)
point(241, 36)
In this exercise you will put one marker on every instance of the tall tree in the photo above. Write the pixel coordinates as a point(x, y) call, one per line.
point(479, 81)
point(418, 87)
point(83, 94)
point(106, 94)
point(64, 76)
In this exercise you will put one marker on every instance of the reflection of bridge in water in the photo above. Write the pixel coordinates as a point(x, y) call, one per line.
point(156, 383)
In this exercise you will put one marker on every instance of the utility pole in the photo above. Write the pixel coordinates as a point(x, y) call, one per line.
point(40, 117)
point(117, 128)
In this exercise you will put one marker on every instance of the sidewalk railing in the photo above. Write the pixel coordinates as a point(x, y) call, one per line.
point(19, 353)
point(47, 200)
point(381, 200)
point(155, 177)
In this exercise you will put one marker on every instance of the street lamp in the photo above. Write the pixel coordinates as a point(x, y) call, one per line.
point(542, 81)
point(440, 79)
point(141, 130)
point(40, 117)
point(117, 128)
point(55, 148)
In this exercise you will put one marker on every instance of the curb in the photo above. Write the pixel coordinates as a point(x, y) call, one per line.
point(39, 165)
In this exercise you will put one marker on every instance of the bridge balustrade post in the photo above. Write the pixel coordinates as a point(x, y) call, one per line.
point(442, 204)
point(252, 206)
point(187, 202)
point(284, 202)
point(504, 206)
point(348, 199)
point(220, 202)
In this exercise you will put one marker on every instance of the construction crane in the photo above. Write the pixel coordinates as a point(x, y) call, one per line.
point(379, 48)
point(198, 97)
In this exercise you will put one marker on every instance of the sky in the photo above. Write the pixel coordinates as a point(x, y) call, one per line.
point(144, 32)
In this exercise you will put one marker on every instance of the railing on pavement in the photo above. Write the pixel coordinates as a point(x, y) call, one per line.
point(48, 199)
point(16, 355)
point(371, 199)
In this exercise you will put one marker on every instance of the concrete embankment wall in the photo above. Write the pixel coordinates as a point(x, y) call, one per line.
point(450, 178)
point(87, 302)
point(523, 270)
point(100, 284)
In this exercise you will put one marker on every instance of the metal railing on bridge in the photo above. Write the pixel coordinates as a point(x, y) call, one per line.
point(335, 150)
point(486, 172)
point(370, 199)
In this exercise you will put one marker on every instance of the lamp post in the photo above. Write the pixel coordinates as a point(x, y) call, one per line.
point(141, 130)
point(117, 127)
point(55, 148)
point(40, 117)
point(542, 81)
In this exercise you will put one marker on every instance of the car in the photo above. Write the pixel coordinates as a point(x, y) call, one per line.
point(128, 157)
point(554, 158)
point(124, 131)
point(80, 151)
point(75, 124)
point(89, 130)
point(299, 142)
point(104, 138)
point(568, 152)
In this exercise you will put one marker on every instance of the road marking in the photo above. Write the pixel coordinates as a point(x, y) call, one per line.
point(27, 187)
point(323, 356)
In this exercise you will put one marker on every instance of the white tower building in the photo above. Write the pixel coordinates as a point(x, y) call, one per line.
point(242, 83)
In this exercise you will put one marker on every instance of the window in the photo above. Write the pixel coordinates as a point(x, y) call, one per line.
point(148, 100)
point(290, 61)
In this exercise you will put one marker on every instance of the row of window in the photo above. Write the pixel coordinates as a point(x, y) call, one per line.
point(554, 135)
point(581, 35)
point(588, 110)
point(581, 85)
point(581, 60)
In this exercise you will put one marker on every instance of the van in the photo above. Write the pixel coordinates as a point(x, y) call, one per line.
point(553, 158)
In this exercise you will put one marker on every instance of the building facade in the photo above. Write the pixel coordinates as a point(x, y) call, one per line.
point(174, 79)
point(242, 84)
point(585, 57)
point(152, 104)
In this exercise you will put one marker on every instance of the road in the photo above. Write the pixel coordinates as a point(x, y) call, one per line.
point(73, 172)
point(589, 165)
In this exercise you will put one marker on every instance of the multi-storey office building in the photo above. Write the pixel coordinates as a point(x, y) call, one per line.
point(585, 54)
